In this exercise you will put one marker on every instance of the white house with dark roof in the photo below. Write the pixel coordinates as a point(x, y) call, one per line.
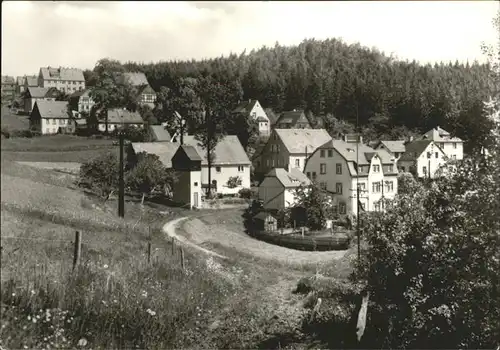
point(81, 101)
point(424, 158)
point(67, 80)
point(30, 81)
point(288, 148)
point(145, 93)
point(253, 109)
point(230, 161)
point(338, 169)
point(295, 119)
point(277, 190)
point(121, 117)
point(394, 148)
point(51, 117)
point(453, 147)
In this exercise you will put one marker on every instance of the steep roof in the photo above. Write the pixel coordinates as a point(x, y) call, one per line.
point(366, 153)
point(296, 140)
point(394, 146)
point(159, 133)
point(120, 115)
point(37, 92)
point(293, 178)
point(132, 78)
point(228, 151)
point(53, 109)
point(73, 74)
point(290, 117)
point(32, 80)
point(80, 93)
point(6, 79)
point(164, 150)
point(245, 106)
point(438, 134)
point(414, 149)
point(191, 152)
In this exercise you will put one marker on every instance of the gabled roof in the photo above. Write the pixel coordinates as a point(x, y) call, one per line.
point(440, 135)
point(52, 109)
point(291, 179)
point(78, 94)
point(73, 74)
point(366, 153)
point(159, 133)
point(394, 146)
point(296, 140)
point(32, 80)
point(37, 92)
point(20, 80)
point(245, 107)
point(6, 79)
point(146, 89)
point(414, 149)
point(120, 115)
point(228, 151)
point(191, 152)
point(164, 150)
point(132, 78)
point(290, 117)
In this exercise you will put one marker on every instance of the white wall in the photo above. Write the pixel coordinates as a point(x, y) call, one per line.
point(63, 85)
point(111, 127)
point(452, 152)
point(256, 112)
point(227, 171)
point(51, 125)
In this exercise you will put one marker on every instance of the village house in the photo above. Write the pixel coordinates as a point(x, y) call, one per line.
point(8, 87)
point(81, 101)
point(452, 146)
point(339, 169)
point(35, 94)
point(187, 165)
point(295, 119)
point(277, 190)
point(288, 148)
point(120, 117)
point(394, 148)
point(30, 81)
point(51, 117)
point(253, 109)
point(145, 94)
point(424, 158)
point(231, 161)
point(67, 80)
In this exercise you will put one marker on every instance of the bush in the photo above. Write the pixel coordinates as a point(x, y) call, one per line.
point(245, 193)
point(5, 132)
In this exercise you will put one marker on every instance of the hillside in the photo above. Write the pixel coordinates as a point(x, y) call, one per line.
point(332, 77)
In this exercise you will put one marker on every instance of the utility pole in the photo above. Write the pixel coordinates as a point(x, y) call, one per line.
point(121, 184)
point(357, 188)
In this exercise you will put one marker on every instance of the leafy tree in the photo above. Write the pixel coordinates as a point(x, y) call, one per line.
point(148, 174)
point(316, 205)
point(101, 174)
point(407, 184)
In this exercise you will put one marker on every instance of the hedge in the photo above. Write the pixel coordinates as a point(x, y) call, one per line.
point(304, 243)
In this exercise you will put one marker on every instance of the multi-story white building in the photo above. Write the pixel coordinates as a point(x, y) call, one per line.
point(277, 190)
point(67, 80)
point(341, 167)
point(51, 117)
point(424, 158)
point(453, 147)
point(81, 101)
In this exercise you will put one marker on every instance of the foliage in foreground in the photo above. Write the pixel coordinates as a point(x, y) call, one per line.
point(432, 263)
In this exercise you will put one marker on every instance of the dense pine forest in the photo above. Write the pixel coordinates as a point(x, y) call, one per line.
point(341, 83)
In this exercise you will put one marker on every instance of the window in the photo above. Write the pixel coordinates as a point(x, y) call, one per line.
point(314, 175)
point(403, 168)
point(390, 168)
point(61, 122)
point(376, 187)
point(377, 206)
point(362, 186)
point(330, 153)
point(424, 170)
point(217, 169)
point(297, 163)
point(454, 157)
point(322, 153)
point(454, 145)
point(429, 154)
point(254, 115)
point(376, 168)
point(342, 208)
point(272, 163)
point(437, 155)
point(308, 174)
point(241, 168)
point(338, 168)
point(322, 168)
point(268, 163)
point(195, 184)
point(322, 185)
point(53, 122)
point(389, 185)
point(338, 188)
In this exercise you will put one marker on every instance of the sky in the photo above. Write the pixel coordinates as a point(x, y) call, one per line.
point(79, 33)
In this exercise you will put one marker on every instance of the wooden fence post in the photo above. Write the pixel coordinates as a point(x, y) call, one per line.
point(78, 249)
point(173, 245)
point(149, 253)
point(302, 231)
point(182, 258)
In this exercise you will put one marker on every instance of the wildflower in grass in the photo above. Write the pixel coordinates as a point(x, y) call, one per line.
point(32, 292)
point(144, 294)
point(82, 342)
point(105, 266)
point(151, 312)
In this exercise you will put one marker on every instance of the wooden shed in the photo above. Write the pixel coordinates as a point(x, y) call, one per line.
point(265, 222)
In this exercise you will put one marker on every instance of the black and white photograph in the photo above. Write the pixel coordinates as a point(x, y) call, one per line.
point(250, 175)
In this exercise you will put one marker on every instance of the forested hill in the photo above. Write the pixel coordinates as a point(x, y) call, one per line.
point(331, 77)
